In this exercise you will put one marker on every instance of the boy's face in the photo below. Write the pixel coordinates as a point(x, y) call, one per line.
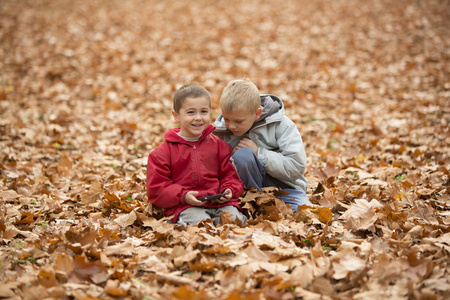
point(240, 121)
point(194, 116)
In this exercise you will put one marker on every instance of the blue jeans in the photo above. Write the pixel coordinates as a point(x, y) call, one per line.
point(193, 215)
point(251, 171)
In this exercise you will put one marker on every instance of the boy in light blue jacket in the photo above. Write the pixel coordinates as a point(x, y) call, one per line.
point(267, 146)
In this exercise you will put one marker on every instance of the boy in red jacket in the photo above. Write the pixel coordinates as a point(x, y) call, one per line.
point(192, 163)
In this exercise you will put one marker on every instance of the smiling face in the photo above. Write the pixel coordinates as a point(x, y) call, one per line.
point(194, 116)
point(240, 121)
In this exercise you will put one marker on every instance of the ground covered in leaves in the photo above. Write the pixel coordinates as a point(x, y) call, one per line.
point(85, 95)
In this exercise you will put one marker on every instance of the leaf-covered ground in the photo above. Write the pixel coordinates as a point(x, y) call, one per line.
point(85, 95)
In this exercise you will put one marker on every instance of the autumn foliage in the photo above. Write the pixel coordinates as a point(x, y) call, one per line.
point(85, 95)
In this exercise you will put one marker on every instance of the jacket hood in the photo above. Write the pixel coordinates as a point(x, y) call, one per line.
point(271, 105)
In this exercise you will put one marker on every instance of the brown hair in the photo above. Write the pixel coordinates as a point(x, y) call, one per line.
point(189, 91)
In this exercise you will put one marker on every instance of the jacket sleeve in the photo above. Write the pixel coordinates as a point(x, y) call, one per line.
point(289, 162)
point(161, 191)
point(228, 175)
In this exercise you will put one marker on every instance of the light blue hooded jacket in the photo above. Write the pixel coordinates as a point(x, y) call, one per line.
point(280, 145)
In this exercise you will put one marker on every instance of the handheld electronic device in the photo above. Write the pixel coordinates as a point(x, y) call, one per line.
point(211, 197)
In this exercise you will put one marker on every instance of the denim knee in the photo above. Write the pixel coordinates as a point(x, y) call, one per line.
point(243, 157)
point(295, 198)
point(249, 168)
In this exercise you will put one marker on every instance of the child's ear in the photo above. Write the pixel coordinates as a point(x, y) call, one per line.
point(258, 113)
point(175, 116)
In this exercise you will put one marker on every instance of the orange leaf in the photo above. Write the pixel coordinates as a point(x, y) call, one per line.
point(325, 215)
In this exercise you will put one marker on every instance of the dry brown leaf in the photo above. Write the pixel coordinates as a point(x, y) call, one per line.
point(114, 289)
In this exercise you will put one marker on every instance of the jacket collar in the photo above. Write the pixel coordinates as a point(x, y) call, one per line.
point(172, 135)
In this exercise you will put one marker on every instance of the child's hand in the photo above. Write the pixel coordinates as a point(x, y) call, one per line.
point(227, 197)
point(246, 142)
point(189, 198)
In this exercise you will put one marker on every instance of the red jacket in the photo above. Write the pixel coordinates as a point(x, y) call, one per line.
point(178, 166)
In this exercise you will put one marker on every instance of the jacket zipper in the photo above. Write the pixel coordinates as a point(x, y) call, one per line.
point(197, 166)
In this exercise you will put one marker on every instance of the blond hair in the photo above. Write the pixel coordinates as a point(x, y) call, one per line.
point(240, 94)
point(189, 91)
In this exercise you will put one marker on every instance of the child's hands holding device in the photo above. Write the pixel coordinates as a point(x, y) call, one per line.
point(220, 198)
